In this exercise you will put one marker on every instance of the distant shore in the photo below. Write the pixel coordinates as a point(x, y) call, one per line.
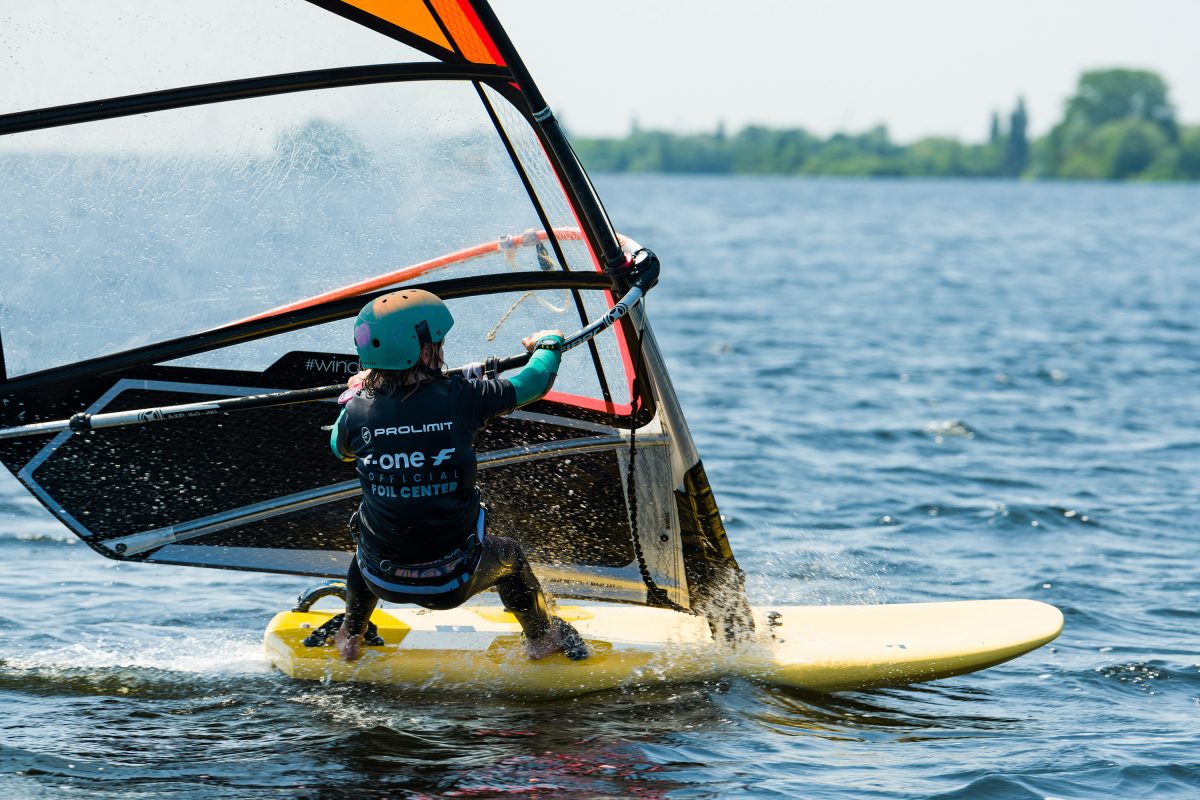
point(1119, 125)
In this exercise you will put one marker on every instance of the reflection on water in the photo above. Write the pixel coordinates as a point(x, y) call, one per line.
point(910, 714)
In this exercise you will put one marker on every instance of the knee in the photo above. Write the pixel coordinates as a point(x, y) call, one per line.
point(507, 551)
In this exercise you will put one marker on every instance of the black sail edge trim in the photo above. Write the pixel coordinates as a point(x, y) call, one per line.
point(328, 311)
point(243, 89)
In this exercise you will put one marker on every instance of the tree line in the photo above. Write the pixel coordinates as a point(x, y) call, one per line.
point(1118, 125)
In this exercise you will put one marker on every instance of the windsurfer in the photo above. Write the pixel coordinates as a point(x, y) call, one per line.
point(403, 423)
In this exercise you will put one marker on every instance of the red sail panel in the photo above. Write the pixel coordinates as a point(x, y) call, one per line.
point(468, 32)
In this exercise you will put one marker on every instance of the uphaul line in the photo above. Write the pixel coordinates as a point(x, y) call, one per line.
point(643, 272)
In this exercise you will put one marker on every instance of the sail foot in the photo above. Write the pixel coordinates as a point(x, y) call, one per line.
point(717, 583)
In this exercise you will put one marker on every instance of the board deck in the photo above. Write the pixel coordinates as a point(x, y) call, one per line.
point(819, 648)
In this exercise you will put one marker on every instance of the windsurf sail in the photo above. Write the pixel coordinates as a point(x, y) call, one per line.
point(201, 218)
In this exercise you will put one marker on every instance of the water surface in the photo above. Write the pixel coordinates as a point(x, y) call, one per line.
point(902, 391)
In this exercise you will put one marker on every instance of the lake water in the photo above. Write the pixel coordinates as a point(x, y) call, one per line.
point(902, 391)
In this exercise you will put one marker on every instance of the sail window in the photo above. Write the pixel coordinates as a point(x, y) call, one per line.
point(77, 50)
point(139, 229)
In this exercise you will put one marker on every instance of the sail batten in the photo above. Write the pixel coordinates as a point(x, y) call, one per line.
point(242, 89)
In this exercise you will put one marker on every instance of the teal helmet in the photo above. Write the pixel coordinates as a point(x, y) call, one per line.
point(391, 330)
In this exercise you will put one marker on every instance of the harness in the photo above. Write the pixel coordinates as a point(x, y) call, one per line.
point(445, 574)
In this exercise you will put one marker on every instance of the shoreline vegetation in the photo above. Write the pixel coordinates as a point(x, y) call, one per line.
point(1119, 125)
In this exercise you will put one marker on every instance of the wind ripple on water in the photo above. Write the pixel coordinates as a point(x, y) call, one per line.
point(901, 391)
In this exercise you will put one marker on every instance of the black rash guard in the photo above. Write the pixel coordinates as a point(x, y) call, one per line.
point(416, 462)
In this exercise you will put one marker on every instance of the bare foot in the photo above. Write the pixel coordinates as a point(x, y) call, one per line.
point(543, 646)
point(349, 647)
point(561, 638)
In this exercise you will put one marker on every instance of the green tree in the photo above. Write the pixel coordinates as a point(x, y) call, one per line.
point(1105, 97)
point(1189, 153)
point(646, 152)
point(1109, 95)
point(1118, 150)
point(867, 154)
point(934, 157)
point(762, 151)
point(1016, 145)
point(697, 153)
point(1118, 125)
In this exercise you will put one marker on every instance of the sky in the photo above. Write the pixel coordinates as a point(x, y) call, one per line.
point(923, 67)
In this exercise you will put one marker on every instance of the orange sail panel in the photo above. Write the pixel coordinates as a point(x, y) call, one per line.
point(412, 15)
point(456, 27)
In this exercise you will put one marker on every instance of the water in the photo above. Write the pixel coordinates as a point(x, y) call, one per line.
point(901, 391)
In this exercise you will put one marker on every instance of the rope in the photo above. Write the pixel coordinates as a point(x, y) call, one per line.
point(491, 335)
point(509, 246)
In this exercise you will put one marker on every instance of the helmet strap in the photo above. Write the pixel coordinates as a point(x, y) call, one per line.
point(422, 329)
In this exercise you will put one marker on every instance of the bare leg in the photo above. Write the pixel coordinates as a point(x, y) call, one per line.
point(348, 647)
point(360, 602)
point(501, 564)
point(504, 565)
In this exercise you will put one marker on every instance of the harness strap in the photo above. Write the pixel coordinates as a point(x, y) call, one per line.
point(429, 577)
